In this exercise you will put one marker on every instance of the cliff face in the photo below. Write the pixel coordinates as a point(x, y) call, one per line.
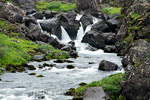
point(133, 42)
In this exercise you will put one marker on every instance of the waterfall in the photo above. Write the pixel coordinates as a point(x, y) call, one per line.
point(80, 33)
point(78, 17)
point(95, 20)
point(65, 37)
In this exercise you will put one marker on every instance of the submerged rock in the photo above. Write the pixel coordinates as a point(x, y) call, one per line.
point(40, 76)
point(32, 73)
point(107, 66)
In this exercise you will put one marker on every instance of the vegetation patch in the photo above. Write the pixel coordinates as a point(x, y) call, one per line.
point(4, 25)
point(110, 84)
point(55, 6)
point(111, 10)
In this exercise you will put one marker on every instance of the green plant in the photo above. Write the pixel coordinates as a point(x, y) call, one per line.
point(111, 10)
point(55, 6)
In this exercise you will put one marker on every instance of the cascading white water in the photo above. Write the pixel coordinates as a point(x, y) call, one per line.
point(80, 33)
point(78, 17)
point(65, 37)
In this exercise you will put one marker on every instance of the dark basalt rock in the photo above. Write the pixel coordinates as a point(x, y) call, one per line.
point(110, 49)
point(38, 15)
point(101, 26)
point(95, 39)
point(107, 66)
point(86, 20)
point(70, 66)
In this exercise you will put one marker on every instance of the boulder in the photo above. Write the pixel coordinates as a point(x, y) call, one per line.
point(86, 20)
point(101, 26)
point(95, 39)
point(52, 26)
point(70, 66)
point(95, 93)
point(88, 6)
point(110, 38)
point(107, 66)
point(110, 49)
point(38, 15)
point(11, 13)
point(48, 14)
point(39, 57)
point(113, 24)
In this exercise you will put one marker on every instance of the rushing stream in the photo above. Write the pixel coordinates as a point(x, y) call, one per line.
point(58, 79)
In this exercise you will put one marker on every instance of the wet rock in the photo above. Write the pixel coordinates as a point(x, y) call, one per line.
point(113, 24)
point(95, 39)
point(107, 66)
point(52, 26)
point(38, 15)
point(47, 14)
point(110, 49)
point(40, 76)
point(70, 66)
point(40, 66)
point(91, 62)
point(31, 67)
point(95, 93)
point(73, 54)
point(101, 26)
point(59, 61)
point(28, 20)
point(82, 84)
point(86, 20)
point(70, 92)
point(110, 38)
point(39, 57)
point(45, 64)
point(69, 61)
point(32, 73)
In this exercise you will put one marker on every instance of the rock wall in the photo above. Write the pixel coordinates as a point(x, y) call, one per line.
point(133, 43)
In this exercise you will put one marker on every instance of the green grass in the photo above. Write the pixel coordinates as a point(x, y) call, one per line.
point(111, 10)
point(108, 84)
point(4, 25)
point(57, 54)
point(55, 6)
point(14, 51)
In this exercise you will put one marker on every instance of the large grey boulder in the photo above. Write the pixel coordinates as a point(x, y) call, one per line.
point(107, 66)
point(95, 39)
point(95, 93)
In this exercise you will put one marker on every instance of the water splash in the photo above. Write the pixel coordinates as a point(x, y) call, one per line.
point(65, 37)
point(80, 33)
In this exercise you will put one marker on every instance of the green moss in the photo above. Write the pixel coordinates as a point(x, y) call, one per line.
point(129, 38)
point(4, 25)
point(134, 16)
point(55, 6)
point(108, 84)
point(57, 54)
point(14, 51)
point(111, 10)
